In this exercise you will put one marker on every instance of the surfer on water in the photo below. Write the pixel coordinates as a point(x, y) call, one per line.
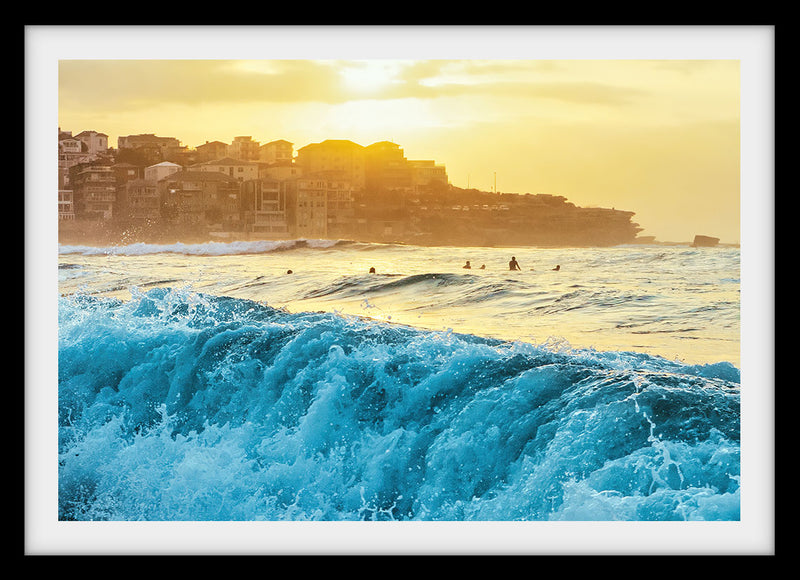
point(467, 266)
point(513, 264)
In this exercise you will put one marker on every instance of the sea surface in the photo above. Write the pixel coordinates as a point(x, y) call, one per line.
point(207, 383)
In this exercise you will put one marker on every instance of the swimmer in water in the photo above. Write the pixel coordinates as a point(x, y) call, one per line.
point(557, 268)
point(372, 270)
point(513, 264)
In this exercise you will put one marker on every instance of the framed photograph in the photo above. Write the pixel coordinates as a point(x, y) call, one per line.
point(399, 290)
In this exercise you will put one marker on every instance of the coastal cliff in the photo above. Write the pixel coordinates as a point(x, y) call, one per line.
point(478, 218)
point(443, 217)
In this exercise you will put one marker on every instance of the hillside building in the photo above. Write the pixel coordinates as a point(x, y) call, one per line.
point(96, 143)
point(201, 198)
point(342, 159)
point(244, 149)
point(94, 189)
point(235, 168)
point(387, 169)
point(280, 151)
point(427, 172)
point(143, 201)
point(151, 148)
point(66, 207)
point(266, 210)
point(211, 150)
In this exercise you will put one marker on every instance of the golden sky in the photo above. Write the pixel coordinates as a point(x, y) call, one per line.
point(660, 137)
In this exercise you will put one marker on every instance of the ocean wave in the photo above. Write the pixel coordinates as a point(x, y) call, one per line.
point(176, 405)
point(376, 283)
point(203, 249)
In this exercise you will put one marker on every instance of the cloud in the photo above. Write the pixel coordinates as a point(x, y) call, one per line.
point(512, 79)
point(124, 84)
point(117, 85)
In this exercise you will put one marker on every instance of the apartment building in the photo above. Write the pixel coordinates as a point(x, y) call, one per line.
point(341, 158)
point(143, 201)
point(282, 171)
point(311, 208)
point(69, 145)
point(237, 169)
point(211, 150)
point(66, 208)
point(123, 173)
point(201, 198)
point(266, 207)
point(340, 209)
point(94, 189)
point(323, 208)
point(71, 151)
point(279, 151)
point(152, 148)
point(427, 172)
point(387, 169)
point(244, 149)
point(96, 143)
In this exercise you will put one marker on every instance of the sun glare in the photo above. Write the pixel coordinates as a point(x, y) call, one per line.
point(369, 119)
point(368, 77)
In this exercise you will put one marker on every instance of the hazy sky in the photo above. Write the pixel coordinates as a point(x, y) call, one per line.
point(657, 137)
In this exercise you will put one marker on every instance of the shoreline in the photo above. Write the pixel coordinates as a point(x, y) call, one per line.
point(100, 242)
point(103, 234)
point(83, 234)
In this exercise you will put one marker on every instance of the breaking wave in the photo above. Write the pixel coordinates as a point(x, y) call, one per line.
point(177, 405)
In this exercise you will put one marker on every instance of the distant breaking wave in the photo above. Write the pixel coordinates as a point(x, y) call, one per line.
point(203, 249)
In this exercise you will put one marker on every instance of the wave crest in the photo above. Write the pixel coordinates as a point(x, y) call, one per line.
point(183, 406)
point(203, 249)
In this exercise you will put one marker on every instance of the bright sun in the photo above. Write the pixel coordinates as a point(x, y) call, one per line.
point(368, 77)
